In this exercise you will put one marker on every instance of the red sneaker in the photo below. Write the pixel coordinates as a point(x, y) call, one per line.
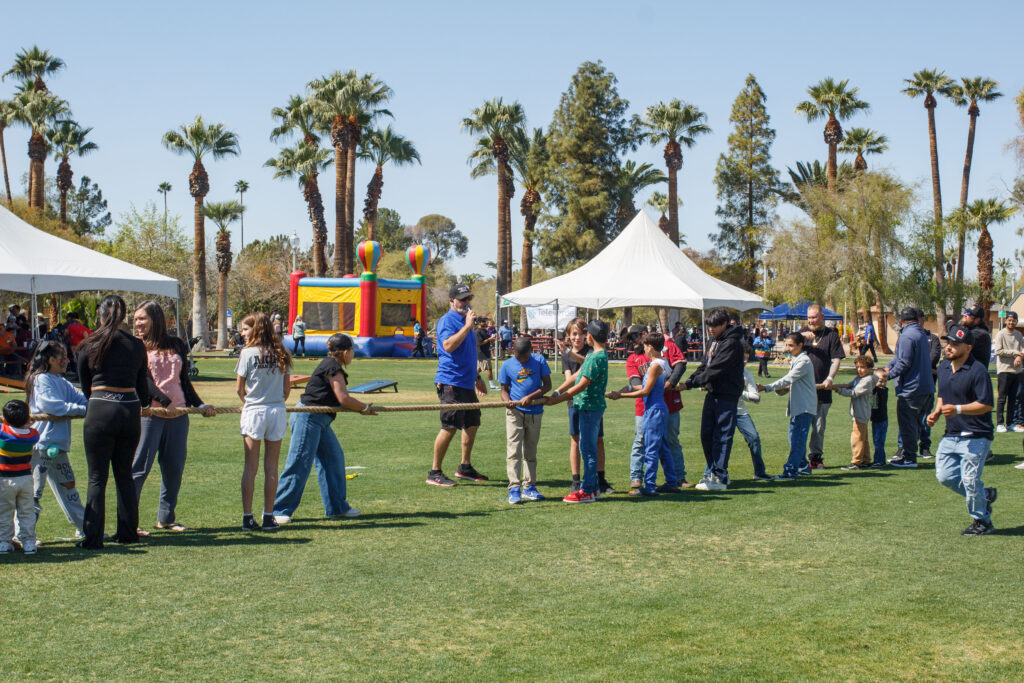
point(578, 497)
point(817, 465)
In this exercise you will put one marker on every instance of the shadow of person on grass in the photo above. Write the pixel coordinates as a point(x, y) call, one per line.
point(1001, 459)
point(1009, 531)
point(220, 536)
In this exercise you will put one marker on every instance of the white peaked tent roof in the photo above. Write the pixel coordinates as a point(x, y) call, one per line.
point(641, 267)
point(40, 263)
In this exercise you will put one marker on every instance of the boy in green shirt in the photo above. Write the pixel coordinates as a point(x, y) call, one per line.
point(588, 399)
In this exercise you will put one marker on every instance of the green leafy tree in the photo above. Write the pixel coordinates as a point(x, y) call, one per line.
point(197, 140)
point(835, 102)
point(304, 162)
point(440, 234)
point(748, 185)
point(223, 214)
point(87, 209)
point(676, 124)
point(588, 134)
point(381, 146)
point(392, 235)
point(863, 141)
point(68, 139)
point(261, 276)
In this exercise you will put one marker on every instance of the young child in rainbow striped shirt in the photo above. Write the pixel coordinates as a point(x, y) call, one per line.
point(17, 439)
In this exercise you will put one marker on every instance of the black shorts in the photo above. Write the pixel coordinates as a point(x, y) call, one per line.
point(458, 419)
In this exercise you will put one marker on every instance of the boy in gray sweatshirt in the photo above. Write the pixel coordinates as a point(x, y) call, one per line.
point(859, 392)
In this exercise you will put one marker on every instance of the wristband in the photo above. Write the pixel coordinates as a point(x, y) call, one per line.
point(959, 409)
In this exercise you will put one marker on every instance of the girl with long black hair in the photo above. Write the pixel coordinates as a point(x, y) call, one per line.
point(112, 367)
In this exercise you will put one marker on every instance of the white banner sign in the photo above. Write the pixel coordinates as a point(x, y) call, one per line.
point(543, 317)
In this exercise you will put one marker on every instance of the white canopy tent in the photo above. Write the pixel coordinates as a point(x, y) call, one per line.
point(641, 267)
point(36, 262)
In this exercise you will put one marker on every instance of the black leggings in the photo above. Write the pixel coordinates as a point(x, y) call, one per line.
point(762, 367)
point(1007, 384)
point(111, 434)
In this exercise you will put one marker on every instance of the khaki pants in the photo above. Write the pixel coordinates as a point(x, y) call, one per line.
point(860, 443)
point(522, 434)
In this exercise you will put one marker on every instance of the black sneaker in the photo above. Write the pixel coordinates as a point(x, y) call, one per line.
point(666, 488)
point(763, 477)
point(467, 472)
point(854, 466)
point(904, 463)
point(605, 488)
point(437, 478)
point(925, 454)
point(978, 528)
point(877, 465)
point(898, 455)
point(249, 524)
point(269, 523)
point(990, 497)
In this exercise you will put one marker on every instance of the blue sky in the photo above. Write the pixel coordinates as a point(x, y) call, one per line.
point(138, 69)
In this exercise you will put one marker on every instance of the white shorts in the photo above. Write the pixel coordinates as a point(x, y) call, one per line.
point(264, 422)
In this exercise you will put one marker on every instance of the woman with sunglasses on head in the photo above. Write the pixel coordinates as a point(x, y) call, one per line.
point(113, 369)
point(164, 435)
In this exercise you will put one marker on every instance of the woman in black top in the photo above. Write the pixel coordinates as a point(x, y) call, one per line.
point(113, 371)
point(314, 440)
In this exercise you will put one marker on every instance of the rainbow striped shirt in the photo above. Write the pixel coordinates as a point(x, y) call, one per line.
point(16, 450)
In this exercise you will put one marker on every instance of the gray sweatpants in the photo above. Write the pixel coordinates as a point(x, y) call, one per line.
point(816, 444)
point(164, 440)
point(57, 470)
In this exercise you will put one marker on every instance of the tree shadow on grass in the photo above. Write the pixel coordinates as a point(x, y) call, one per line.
point(67, 552)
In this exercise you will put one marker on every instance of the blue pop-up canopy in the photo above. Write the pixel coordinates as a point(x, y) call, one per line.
point(797, 311)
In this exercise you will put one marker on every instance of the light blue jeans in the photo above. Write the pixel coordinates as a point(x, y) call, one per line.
point(656, 449)
point(672, 439)
point(636, 454)
point(313, 441)
point(958, 465)
point(799, 427)
point(590, 426)
point(745, 426)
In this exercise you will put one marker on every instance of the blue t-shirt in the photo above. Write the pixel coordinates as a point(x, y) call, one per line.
point(505, 332)
point(524, 379)
point(457, 368)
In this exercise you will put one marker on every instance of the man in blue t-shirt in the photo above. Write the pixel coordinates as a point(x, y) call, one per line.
point(965, 399)
point(505, 335)
point(523, 378)
point(455, 381)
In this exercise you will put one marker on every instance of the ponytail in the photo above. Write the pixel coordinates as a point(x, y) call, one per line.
point(111, 316)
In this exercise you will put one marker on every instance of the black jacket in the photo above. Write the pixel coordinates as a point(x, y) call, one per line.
point(723, 374)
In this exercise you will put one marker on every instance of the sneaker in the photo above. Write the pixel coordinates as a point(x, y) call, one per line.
point(702, 485)
point(804, 470)
point(437, 478)
point(667, 488)
point(514, 496)
point(605, 488)
point(1001, 429)
point(531, 493)
point(282, 519)
point(494, 386)
point(467, 472)
point(978, 528)
point(903, 463)
point(249, 524)
point(898, 455)
point(817, 465)
point(925, 454)
point(711, 484)
point(578, 497)
point(990, 497)
point(1018, 428)
point(269, 524)
point(763, 477)
point(5, 547)
point(854, 466)
point(1019, 467)
point(347, 514)
point(637, 484)
point(650, 493)
point(29, 547)
point(877, 465)
point(785, 476)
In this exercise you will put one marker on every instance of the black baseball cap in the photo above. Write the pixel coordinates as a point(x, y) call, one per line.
point(635, 332)
point(598, 329)
point(909, 314)
point(959, 335)
point(460, 292)
point(975, 312)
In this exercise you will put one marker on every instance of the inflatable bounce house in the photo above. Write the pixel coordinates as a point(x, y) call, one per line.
point(377, 313)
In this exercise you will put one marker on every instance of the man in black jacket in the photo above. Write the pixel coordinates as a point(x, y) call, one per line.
point(721, 375)
point(974, 320)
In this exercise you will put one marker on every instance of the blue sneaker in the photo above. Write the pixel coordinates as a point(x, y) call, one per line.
point(531, 493)
point(785, 476)
point(513, 496)
point(805, 470)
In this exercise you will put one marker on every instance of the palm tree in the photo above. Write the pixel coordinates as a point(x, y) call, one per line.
point(861, 141)
point(659, 202)
point(631, 180)
point(835, 102)
point(197, 139)
point(30, 65)
point(37, 109)
point(381, 146)
point(529, 159)
point(67, 139)
point(163, 188)
point(305, 162)
point(496, 123)
point(968, 93)
point(241, 187)
point(7, 111)
point(674, 123)
point(223, 214)
point(978, 215)
point(927, 82)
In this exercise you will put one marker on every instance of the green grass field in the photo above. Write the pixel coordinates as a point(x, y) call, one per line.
point(840, 576)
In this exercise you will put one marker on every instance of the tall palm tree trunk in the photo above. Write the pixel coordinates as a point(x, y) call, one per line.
point(3, 161)
point(222, 311)
point(350, 191)
point(64, 178)
point(985, 271)
point(373, 191)
point(939, 254)
point(527, 209)
point(200, 326)
point(338, 136)
point(37, 156)
point(315, 203)
point(880, 329)
point(961, 238)
point(501, 282)
point(673, 206)
point(510, 190)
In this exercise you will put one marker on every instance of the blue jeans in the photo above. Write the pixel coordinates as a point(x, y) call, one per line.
point(745, 425)
point(717, 426)
point(799, 428)
point(672, 438)
point(958, 465)
point(590, 426)
point(636, 453)
point(296, 343)
point(878, 433)
point(925, 438)
point(313, 440)
point(656, 449)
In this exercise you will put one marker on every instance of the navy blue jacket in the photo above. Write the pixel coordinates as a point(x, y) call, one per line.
point(911, 366)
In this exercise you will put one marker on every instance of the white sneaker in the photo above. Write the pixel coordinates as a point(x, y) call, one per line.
point(712, 484)
point(351, 512)
point(6, 547)
point(1001, 429)
point(282, 519)
point(494, 386)
point(29, 547)
point(1018, 428)
point(1019, 467)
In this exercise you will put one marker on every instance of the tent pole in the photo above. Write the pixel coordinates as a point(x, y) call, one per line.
point(704, 333)
point(558, 356)
point(35, 309)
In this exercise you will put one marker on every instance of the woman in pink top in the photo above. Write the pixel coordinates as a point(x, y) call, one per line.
point(165, 434)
